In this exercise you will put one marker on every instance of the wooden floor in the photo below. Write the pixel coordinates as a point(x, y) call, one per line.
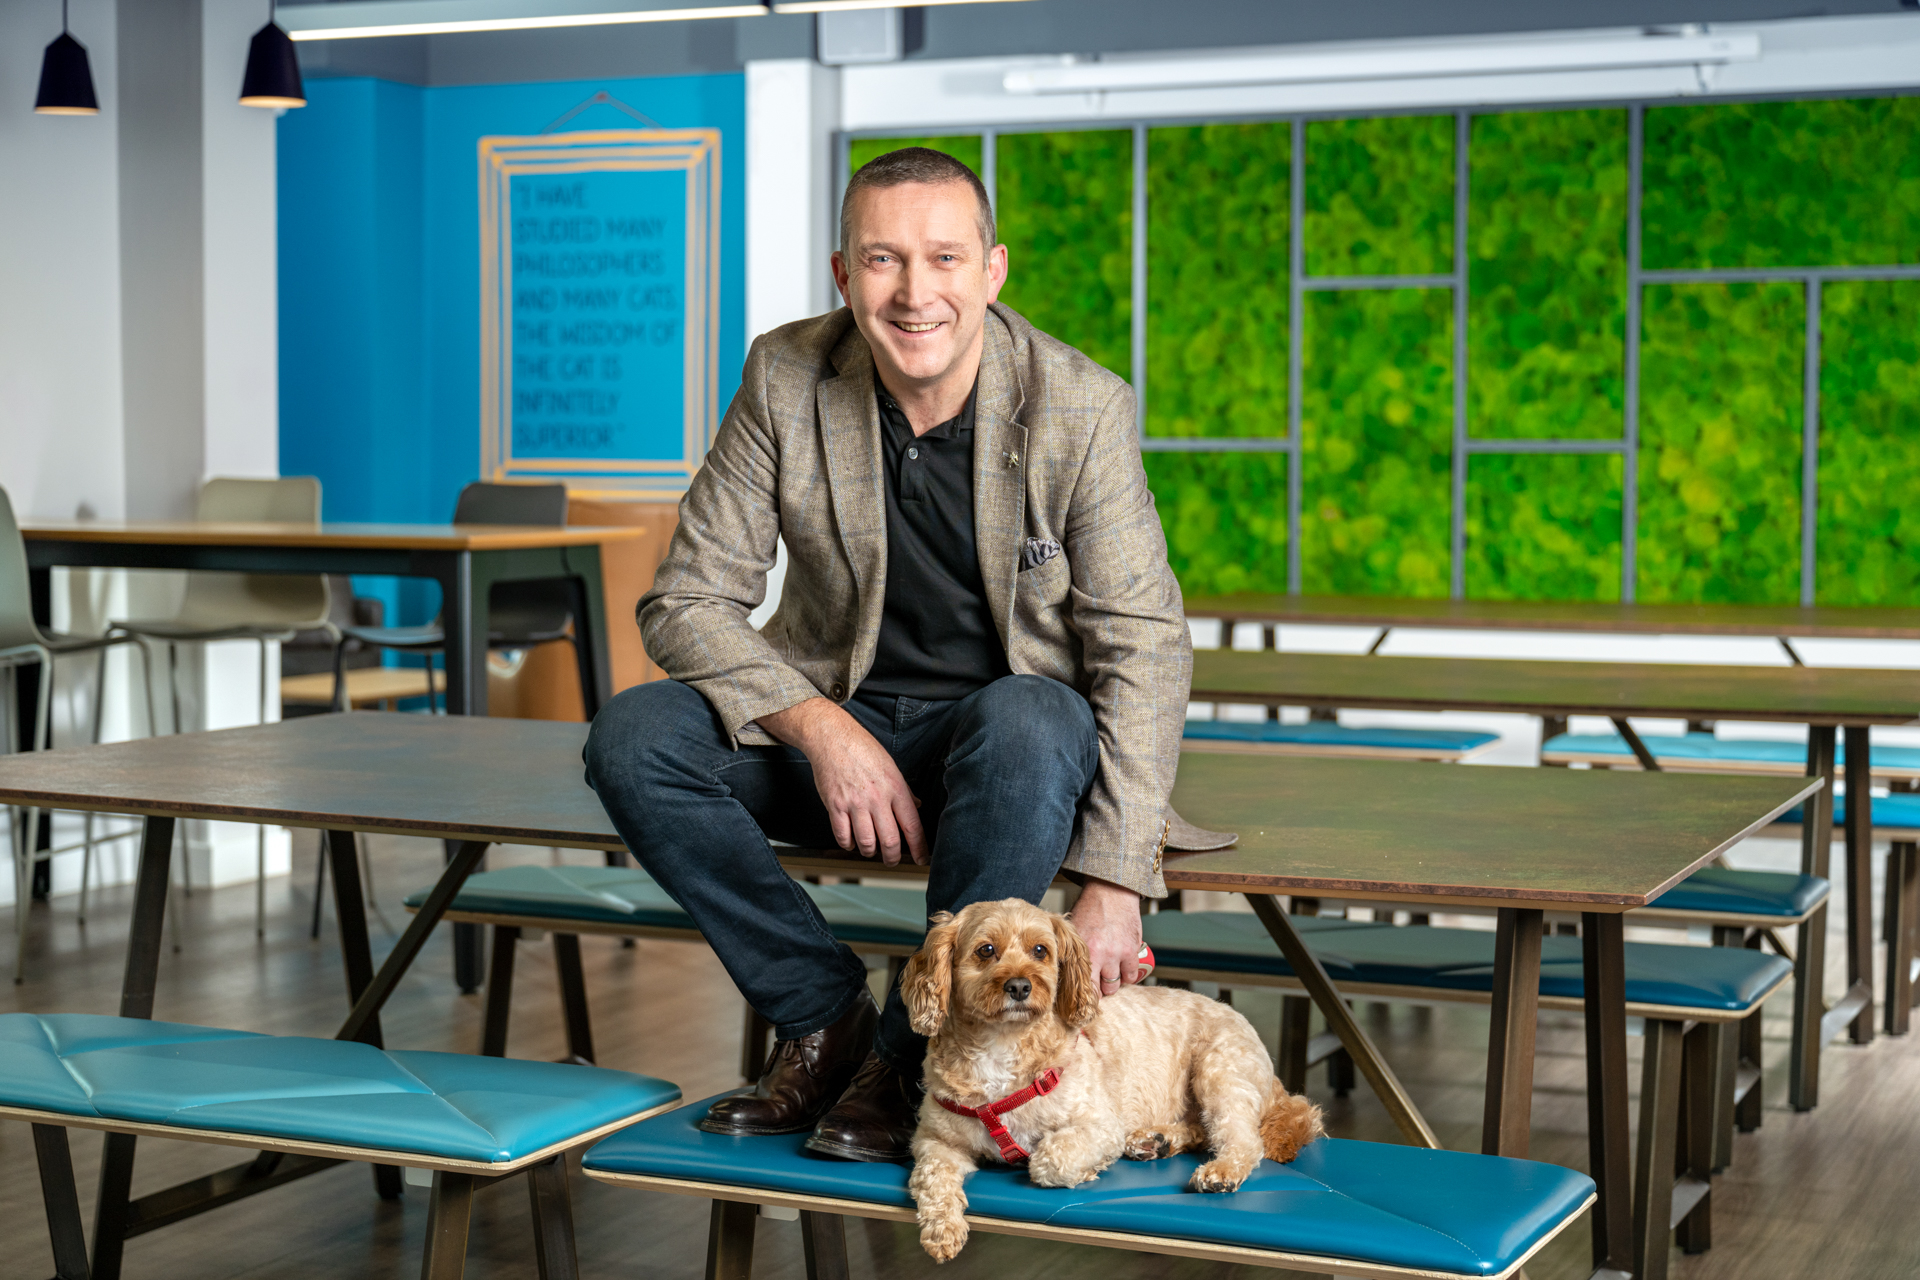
point(1829, 1194)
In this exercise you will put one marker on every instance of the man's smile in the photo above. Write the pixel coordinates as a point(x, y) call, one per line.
point(906, 326)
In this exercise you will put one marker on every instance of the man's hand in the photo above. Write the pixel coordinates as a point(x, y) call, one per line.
point(867, 800)
point(1108, 917)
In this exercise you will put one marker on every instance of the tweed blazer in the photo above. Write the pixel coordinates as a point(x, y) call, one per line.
point(1056, 460)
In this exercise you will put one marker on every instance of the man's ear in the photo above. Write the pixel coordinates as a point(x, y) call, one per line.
point(927, 983)
point(1079, 998)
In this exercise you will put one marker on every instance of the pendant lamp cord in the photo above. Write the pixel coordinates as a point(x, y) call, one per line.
point(63, 18)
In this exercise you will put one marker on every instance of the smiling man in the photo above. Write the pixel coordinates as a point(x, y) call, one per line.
point(979, 660)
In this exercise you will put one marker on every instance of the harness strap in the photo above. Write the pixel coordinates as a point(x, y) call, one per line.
point(989, 1115)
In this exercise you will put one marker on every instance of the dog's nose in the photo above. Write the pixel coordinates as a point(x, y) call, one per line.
point(1018, 988)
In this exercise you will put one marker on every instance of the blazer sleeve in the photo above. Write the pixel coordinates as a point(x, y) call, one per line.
point(694, 619)
point(1136, 651)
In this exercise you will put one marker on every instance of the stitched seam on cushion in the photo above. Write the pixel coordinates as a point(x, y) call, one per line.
point(86, 1091)
point(1471, 1251)
point(431, 1093)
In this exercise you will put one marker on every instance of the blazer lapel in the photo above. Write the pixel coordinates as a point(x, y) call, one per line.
point(999, 473)
point(850, 437)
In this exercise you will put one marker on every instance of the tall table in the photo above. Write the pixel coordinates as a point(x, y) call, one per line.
point(1350, 827)
point(1823, 698)
point(465, 559)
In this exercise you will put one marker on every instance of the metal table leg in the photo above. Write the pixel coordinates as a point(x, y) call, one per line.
point(1810, 951)
point(1516, 1005)
point(1859, 853)
point(1386, 1085)
point(1610, 1159)
point(149, 918)
point(367, 1007)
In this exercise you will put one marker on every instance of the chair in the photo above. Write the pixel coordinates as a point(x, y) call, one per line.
point(22, 643)
point(261, 607)
point(521, 614)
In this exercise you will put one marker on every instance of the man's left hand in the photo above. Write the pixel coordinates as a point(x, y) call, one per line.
point(1108, 917)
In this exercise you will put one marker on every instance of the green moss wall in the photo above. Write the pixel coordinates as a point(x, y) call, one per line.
point(1767, 186)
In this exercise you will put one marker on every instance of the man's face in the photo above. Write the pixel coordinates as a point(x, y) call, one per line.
point(918, 280)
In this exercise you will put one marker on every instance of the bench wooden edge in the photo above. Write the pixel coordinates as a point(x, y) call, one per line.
point(1444, 995)
point(1313, 1263)
point(1235, 746)
point(1697, 764)
point(330, 1150)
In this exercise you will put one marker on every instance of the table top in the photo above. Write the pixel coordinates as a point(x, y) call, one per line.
point(1855, 621)
point(385, 537)
point(1353, 828)
point(1592, 840)
point(1808, 695)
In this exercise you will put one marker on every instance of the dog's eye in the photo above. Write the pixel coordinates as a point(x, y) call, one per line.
point(1039, 952)
point(985, 951)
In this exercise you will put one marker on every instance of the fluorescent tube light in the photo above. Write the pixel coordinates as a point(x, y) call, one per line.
point(836, 6)
point(1389, 63)
point(370, 19)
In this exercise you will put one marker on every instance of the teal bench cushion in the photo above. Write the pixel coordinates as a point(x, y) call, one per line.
point(1384, 1205)
point(1321, 733)
point(874, 914)
point(1197, 939)
point(1901, 809)
point(1728, 979)
point(1706, 747)
point(451, 1105)
point(1753, 893)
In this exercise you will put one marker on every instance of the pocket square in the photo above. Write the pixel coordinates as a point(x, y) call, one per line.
point(1037, 552)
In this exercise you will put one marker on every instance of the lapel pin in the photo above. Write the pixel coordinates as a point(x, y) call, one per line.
point(1013, 458)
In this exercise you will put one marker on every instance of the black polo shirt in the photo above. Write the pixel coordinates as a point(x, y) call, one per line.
point(937, 638)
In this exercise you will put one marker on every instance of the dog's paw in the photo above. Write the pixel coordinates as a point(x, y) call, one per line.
point(1147, 1144)
point(943, 1238)
point(1216, 1176)
point(1045, 1171)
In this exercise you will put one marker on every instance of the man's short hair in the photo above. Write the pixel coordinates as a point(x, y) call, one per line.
point(914, 164)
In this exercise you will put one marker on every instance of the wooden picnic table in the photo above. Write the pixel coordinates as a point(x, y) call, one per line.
point(1826, 699)
point(1517, 840)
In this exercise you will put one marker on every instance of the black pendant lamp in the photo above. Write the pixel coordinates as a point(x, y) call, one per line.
point(273, 70)
point(66, 81)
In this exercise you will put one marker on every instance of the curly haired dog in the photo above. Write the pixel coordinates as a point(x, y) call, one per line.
point(1006, 994)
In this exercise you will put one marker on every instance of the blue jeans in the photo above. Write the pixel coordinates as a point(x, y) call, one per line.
point(999, 773)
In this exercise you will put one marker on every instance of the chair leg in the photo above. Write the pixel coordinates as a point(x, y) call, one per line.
point(64, 1225)
point(1653, 1170)
point(1340, 1073)
point(493, 1033)
point(573, 997)
point(1699, 1128)
point(112, 1205)
point(753, 1044)
point(823, 1236)
point(260, 831)
point(1898, 917)
point(553, 1247)
point(1296, 1014)
point(86, 838)
point(447, 1218)
point(319, 885)
point(730, 1241)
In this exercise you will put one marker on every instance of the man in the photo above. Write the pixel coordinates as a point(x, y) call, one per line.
point(979, 660)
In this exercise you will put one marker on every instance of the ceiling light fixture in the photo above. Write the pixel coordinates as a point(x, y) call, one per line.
point(1516, 57)
point(66, 79)
point(371, 19)
point(273, 69)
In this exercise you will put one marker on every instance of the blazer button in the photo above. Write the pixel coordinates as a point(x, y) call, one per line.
point(839, 691)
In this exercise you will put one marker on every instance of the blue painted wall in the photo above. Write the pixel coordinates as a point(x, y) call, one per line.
point(380, 276)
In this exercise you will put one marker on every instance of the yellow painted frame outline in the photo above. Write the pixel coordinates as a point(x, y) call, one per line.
point(697, 153)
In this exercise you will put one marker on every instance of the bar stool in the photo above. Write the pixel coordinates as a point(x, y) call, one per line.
point(22, 643)
point(261, 607)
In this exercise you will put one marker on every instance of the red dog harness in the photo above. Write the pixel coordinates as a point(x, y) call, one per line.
point(989, 1115)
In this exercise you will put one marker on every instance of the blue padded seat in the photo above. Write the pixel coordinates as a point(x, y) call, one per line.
point(1197, 939)
point(1753, 893)
point(450, 1105)
point(1370, 1202)
point(1724, 979)
point(1321, 733)
point(880, 915)
point(1707, 748)
point(1901, 809)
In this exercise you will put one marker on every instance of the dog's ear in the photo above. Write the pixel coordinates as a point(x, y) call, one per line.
point(927, 983)
point(1079, 996)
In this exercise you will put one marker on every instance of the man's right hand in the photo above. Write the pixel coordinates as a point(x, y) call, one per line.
point(867, 800)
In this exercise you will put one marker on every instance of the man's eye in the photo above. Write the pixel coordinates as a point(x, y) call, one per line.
point(984, 951)
point(1039, 953)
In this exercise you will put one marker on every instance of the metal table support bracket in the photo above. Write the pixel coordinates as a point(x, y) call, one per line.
point(1387, 1086)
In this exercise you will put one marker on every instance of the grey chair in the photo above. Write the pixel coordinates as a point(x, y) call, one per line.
point(23, 643)
point(262, 607)
point(520, 614)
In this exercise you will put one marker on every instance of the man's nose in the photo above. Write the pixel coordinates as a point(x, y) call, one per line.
point(1018, 988)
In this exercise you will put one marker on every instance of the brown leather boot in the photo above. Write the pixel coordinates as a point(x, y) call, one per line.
point(802, 1080)
point(874, 1119)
